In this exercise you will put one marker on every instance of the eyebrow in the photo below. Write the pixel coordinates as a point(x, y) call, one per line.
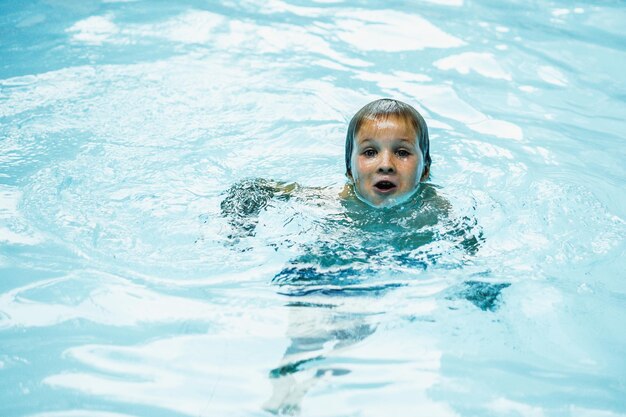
point(413, 142)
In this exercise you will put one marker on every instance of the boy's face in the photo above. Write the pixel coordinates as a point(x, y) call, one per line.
point(387, 163)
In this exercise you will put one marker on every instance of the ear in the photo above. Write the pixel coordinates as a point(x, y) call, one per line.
point(349, 176)
point(426, 173)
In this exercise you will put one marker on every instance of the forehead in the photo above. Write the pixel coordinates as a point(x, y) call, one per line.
point(391, 127)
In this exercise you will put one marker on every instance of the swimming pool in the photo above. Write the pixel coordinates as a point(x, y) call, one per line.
point(124, 292)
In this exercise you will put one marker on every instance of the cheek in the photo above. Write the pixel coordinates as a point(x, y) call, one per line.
point(412, 171)
point(359, 168)
point(419, 169)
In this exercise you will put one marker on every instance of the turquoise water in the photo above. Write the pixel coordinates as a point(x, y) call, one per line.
point(125, 290)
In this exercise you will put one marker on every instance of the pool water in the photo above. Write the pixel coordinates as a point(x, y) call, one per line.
point(128, 289)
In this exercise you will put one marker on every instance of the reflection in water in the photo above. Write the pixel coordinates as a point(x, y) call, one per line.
point(325, 329)
point(317, 333)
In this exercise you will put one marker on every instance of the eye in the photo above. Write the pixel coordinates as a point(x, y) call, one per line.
point(403, 153)
point(370, 153)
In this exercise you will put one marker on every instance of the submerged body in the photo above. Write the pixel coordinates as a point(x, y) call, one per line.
point(358, 236)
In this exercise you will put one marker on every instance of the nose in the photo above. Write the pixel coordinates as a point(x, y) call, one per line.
point(386, 164)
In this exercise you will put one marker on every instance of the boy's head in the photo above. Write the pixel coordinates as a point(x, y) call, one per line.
point(387, 152)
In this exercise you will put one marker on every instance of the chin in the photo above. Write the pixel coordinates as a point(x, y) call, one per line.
point(390, 201)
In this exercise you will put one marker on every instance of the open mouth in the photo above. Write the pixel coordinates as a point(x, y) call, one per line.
point(384, 186)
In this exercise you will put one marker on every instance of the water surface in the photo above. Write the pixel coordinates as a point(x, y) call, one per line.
point(124, 292)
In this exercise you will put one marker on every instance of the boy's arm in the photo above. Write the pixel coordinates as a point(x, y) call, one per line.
point(245, 200)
